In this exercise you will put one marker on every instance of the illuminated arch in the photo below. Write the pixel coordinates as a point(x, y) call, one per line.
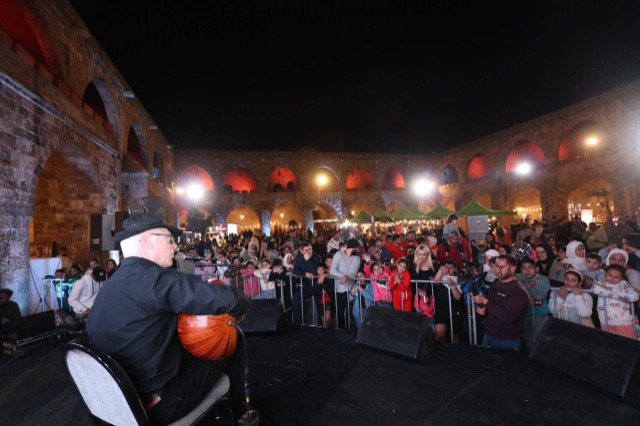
point(240, 179)
point(592, 194)
point(359, 179)
point(525, 152)
point(392, 179)
point(480, 167)
point(283, 179)
point(324, 211)
point(448, 176)
point(525, 200)
point(21, 22)
point(584, 139)
point(245, 217)
point(330, 182)
point(195, 174)
point(282, 215)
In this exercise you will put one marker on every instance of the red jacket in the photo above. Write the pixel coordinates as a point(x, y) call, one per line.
point(457, 253)
point(397, 251)
point(402, 291)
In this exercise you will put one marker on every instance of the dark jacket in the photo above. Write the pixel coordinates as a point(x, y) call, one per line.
point(135, 315)
point(506, 310)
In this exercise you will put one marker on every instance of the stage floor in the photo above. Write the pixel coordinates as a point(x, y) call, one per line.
point(322, 377)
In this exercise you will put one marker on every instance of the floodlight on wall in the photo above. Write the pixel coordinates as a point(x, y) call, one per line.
point(523, 168)
point(179, 190)
point(423, 187)
point(592, 141)
point(195, 192)
point(322, 179)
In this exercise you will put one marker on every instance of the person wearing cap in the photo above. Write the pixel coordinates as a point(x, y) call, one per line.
point(134, 320)
point(10, 314)
point(85, 290)
point(570, 303)
point(344, 268)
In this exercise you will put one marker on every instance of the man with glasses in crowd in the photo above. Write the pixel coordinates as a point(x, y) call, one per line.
point(134, 319)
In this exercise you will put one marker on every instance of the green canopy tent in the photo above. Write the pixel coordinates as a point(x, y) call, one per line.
point(438, 212)
point(476, 209)
point(405, 213)
point(419, 213)
point(362, 217)
point(382, 215)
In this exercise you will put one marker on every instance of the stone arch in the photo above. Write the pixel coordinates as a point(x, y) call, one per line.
point(97, 96)
point(67, 191)
point(595, 194)
point(135, 158)
point(240, 180)
point(392, 179)
point(324, 210)
point(245, 217)
point(283, 179)
point(525, 200)
point(195, 174)
point(22, 23)
point(359, 179)
point(525, 152)
point(194, 180)
point(284, 213)
point(583, 140)
point(330, 182)
point(480, 167)
point(448, 176)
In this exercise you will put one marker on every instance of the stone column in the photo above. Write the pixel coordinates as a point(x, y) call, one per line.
point(308, 219)
point(265, 221)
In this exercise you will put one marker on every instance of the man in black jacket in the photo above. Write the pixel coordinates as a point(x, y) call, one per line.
point(134, 320)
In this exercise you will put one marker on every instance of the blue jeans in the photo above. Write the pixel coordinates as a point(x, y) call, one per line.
point(497, 342)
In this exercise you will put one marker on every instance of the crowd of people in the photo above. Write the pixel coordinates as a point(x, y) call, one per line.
point(587, 274)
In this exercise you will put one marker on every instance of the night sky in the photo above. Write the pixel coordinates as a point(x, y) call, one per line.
point(420, 76)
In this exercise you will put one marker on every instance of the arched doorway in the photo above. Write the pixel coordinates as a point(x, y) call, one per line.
point(240, 180)
point(448, 176)
point(480, 167)
point(392, 179)
point(282, 216)
point(67, 194)
point(135, 158)
point(359, 179)
point(245, 217)
point(525, 200)
point(590, 199)
point(283, 179)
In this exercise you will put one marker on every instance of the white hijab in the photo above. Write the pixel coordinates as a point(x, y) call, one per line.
point(576, 262)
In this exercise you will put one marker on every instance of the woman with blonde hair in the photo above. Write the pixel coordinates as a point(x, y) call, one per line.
point(423, 270)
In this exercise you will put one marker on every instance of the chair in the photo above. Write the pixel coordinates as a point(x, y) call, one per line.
point(110, 396)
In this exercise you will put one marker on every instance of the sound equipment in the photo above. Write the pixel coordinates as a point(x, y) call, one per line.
point(208, 337)
point(103, 228)
point(265, 315)
point(605, 360)
point(407, 334)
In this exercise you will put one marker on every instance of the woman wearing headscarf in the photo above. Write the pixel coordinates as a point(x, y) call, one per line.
point(575, 255)
point(545, 256)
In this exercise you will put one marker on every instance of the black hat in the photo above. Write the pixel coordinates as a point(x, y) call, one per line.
point(138, 223)
point(99, 274)
point(7, 291)
point(353, 243)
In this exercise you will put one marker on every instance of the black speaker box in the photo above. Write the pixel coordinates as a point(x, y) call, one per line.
point(407, 334)
point(603, 359)
point(265, 315)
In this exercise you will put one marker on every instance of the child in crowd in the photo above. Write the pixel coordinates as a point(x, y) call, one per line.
point(326, 305)
point(617, 294)
point(363, 291)
point(570, 303)
point(449, 291)
point(556, 273)
point(267, 287)
point(593, 271)
point(399, 284)
point(537, 286)
point(380, 276)
point(250, 281)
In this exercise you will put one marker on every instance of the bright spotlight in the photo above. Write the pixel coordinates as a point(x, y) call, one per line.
point(195, 192)
point(281, 215)
point(423, 186)
point(592, 141)
point(179, 190)
point(523, 169)
point(322, 179)
point(241, 216)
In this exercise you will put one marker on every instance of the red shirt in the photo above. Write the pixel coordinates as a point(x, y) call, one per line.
point(397, 251)
point(457, 253)
point(401, 292)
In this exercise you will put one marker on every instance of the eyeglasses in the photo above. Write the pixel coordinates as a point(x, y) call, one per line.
point(171, 239)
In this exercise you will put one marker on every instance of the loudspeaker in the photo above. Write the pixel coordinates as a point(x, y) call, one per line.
point(606, 360)
point(407, 334)
point(265, 315)
point(103, 229)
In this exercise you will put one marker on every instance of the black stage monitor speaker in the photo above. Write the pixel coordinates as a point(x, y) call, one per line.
point(603, 359)
point(265, 315)
point(407, 334)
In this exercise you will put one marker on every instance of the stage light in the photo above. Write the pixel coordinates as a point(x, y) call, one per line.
point(322, 179)
point(195, 192)
point(281, 215)
point(353, 212)
point(241, 216)
point(523, 168)
point(423, 187)
point(592, 141)
point(179, 190)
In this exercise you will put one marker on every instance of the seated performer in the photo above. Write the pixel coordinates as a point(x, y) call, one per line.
point(134, 319)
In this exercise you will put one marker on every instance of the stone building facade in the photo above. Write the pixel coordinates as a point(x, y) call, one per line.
point(75, 141)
